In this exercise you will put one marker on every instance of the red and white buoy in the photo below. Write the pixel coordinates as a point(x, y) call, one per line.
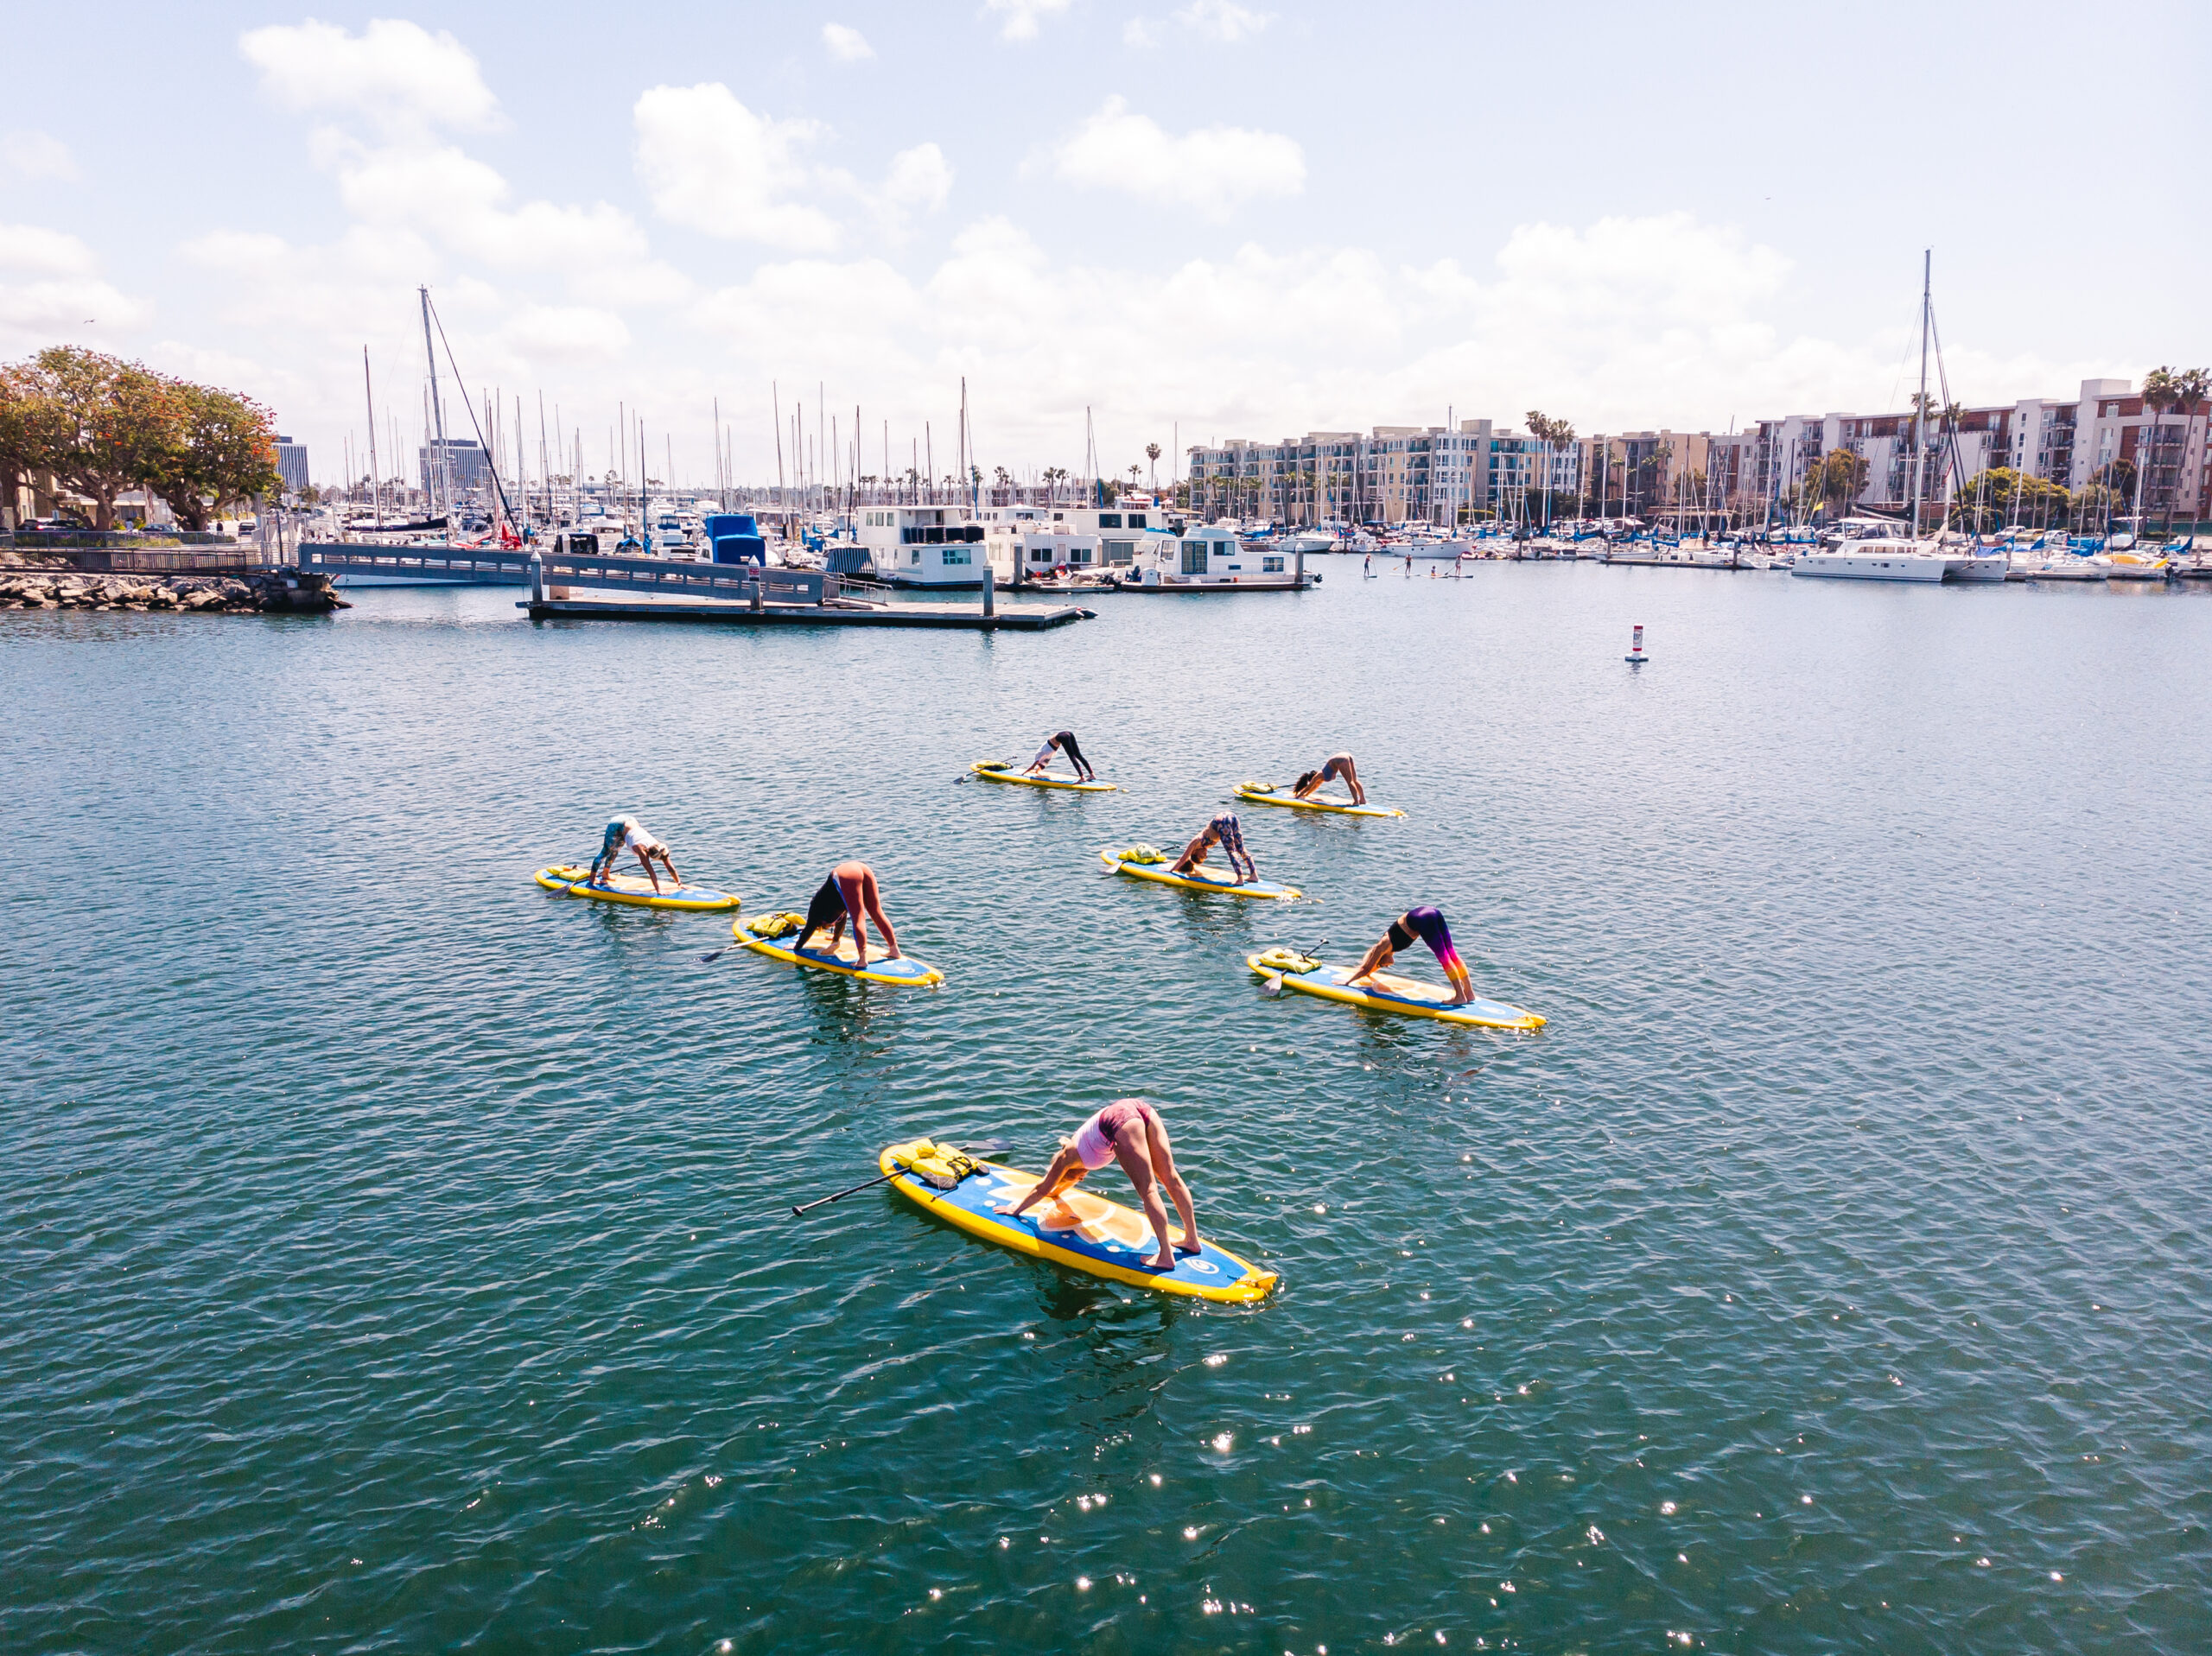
point(1636, 657)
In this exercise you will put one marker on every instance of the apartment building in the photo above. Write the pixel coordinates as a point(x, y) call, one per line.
point(1391, 474)
point(1646, 474)
point(2071, 442)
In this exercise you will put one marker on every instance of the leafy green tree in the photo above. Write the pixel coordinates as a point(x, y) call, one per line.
point(103, 425)
point(222, 451)
point(2002, 495)
point(31, 428)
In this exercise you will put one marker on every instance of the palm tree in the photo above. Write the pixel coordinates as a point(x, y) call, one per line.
point(2161, 391)
point(1152, 453)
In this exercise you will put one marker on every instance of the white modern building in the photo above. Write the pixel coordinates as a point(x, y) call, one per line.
point(2071, 442)
point(1392, 474)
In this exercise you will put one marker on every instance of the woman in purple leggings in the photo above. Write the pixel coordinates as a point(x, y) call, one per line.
point(1428, 925)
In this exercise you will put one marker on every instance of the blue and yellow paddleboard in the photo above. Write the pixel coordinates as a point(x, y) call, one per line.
point(1388, 992)
point(1200, 878)
point(905, 971)
point(992, 770)
point(1077, 1229)
point(1263, 793)
point(633, 890)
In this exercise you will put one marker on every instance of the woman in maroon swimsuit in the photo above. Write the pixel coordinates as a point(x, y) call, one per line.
point(1128, 1131)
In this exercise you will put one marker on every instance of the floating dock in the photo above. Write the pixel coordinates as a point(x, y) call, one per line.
point(589, 586)
point(972, 617)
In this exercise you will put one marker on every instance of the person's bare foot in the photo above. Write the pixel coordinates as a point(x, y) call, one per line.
point(1189, 1248)
point(1167, 1263)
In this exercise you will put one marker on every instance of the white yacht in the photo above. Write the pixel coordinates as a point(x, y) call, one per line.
point(1870, 549)
point(1041, 540)
point(927, 546)
point(1127, 536)
point(1215, 558)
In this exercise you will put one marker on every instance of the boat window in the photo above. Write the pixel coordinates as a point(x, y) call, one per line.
point(1136, 520)
point(1271, 565)
point(1194, 557)
point(957, 554)
point(975, 532)
point(1121, 551)
point(1041, 554)
point(1110, 520)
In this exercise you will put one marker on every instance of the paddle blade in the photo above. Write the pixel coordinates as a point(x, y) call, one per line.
point(1274, 984)
point(712, 955)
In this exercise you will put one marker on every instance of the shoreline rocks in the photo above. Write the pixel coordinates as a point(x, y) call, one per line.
point(266, 592)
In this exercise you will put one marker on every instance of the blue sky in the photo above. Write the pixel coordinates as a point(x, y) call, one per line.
point(1208, 219)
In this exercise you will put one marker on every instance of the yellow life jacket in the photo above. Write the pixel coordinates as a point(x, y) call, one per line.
point(1257, 787)
point(937, 1164)
point(771, 926)
point(1287, 959)
point(1142, 854)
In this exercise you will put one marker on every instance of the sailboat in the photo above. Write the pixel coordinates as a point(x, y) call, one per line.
point(1868, 549)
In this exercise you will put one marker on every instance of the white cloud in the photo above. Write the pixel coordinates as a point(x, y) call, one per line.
point(398, 73)
point(711, 164)
point(845, 45)
point(567, 333)
point(920, 178)
point(1212, 170)
point(44, 252)
point(62, 296)
point(1139, 34)
point(35, 156)
point(1222, 19)
point(1021, 15)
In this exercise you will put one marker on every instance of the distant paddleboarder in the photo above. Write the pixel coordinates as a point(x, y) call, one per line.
point(849, 893)
point(1336, 766)
point(1062, 742)
point(1128, 1131)
point(1428, 925)
point(628, 831)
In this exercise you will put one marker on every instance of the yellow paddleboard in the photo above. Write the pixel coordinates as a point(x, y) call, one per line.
point(1387, 992)
point(992, 770)
point(1262, 793)
point(1199, 879)
point(905, 971)
point(1077, 1229)
point(633, 889)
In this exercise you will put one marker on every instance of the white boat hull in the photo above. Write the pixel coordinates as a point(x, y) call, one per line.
point(1875, 566)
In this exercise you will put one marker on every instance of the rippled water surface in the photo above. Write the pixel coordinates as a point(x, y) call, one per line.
point(399, 1257)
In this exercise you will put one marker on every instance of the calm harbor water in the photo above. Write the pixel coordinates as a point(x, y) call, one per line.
point(398, 1257)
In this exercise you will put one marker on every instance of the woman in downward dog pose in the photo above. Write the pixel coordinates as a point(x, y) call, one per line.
point(1428, 925)
point(1063, 742)
point(1336, 766)
point(1222, 831)
point(1128, 1131)
point(849, 893)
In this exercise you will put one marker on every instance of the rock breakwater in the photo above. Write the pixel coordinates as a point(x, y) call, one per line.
point(263, 592)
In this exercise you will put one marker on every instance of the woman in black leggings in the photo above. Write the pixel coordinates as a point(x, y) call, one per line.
point(1063, 742)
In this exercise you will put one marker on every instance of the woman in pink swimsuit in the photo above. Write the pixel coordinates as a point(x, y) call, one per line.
point(1128, 1131)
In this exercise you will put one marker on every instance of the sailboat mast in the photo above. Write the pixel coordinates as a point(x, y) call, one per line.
point(437, 415)
point(1920, 409)
point(369, 390)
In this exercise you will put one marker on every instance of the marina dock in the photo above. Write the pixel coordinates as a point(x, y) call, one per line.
point(592, 587)
point(972, 617)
